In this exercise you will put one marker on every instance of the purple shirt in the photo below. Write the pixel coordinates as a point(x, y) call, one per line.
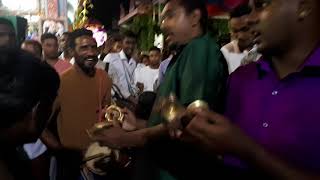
point(281, 115)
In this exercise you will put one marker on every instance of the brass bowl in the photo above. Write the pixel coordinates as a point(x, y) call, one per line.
point(198, 104)
point(171, 109)
point(113, 113)
point(97, 127)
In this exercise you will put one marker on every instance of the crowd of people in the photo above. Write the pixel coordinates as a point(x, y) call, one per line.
point(261, 89)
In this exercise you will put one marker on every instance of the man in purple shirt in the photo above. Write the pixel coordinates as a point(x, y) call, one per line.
point(273, 103)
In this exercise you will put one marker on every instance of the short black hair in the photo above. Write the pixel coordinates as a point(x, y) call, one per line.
point(129, 34)
point(154, 48)
point(66, 33)
point(144, 56)
point(241, 10)
point(7, 22)
point(78, 33)
point(115, 37)
point(46, 36)
point(191, 5)
point(37, 46)
point(24, 83)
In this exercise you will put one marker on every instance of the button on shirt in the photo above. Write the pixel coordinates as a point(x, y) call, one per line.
point(280, 114)
point(121, 72)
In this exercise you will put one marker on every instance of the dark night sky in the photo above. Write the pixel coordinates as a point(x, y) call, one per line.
point(107, 10)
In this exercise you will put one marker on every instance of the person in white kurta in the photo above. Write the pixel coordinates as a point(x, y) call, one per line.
point(146, 77)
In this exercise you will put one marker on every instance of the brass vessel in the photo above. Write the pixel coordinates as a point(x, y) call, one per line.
point(198, 104)
point(170, 109)
point(101, 159)
point(112, 113)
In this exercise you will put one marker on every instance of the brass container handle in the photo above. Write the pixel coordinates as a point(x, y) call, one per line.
point(112, 113)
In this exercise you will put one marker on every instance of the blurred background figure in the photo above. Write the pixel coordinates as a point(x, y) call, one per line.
point(170, 53)
point(33, 47)
point(63, 43)
point(147, 77)
point(240, 50)
point(7, 34)
point(65, 51)
point(51, 54)
point(112, 45)
point(145, 59)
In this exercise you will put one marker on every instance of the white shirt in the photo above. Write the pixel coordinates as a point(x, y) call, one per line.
point(109, 57)
point(121, 71)
point(147, 76)
point(140, 66)
point(34, 150)
point(61, 56)
point(235, 58)
point(101, 65)
point(72, 61)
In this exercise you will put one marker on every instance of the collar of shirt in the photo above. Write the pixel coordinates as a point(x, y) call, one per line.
point(123, 56)
point(62, 55)
point(311, 67)
point(278, 114)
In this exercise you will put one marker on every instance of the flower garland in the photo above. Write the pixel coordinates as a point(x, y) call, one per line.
point(82, 13)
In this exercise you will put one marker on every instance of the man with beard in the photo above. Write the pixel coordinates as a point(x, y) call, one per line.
point(275, 128)
point(197, 71)
point(83, 91)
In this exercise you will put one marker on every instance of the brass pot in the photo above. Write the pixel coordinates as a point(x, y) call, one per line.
point(171, 110)
point(113, 113)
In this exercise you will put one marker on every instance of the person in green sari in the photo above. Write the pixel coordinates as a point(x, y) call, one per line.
point(198, 71)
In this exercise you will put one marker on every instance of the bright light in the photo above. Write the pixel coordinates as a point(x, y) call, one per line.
point(21, 5)
point(32, 18)
point(73, 7)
